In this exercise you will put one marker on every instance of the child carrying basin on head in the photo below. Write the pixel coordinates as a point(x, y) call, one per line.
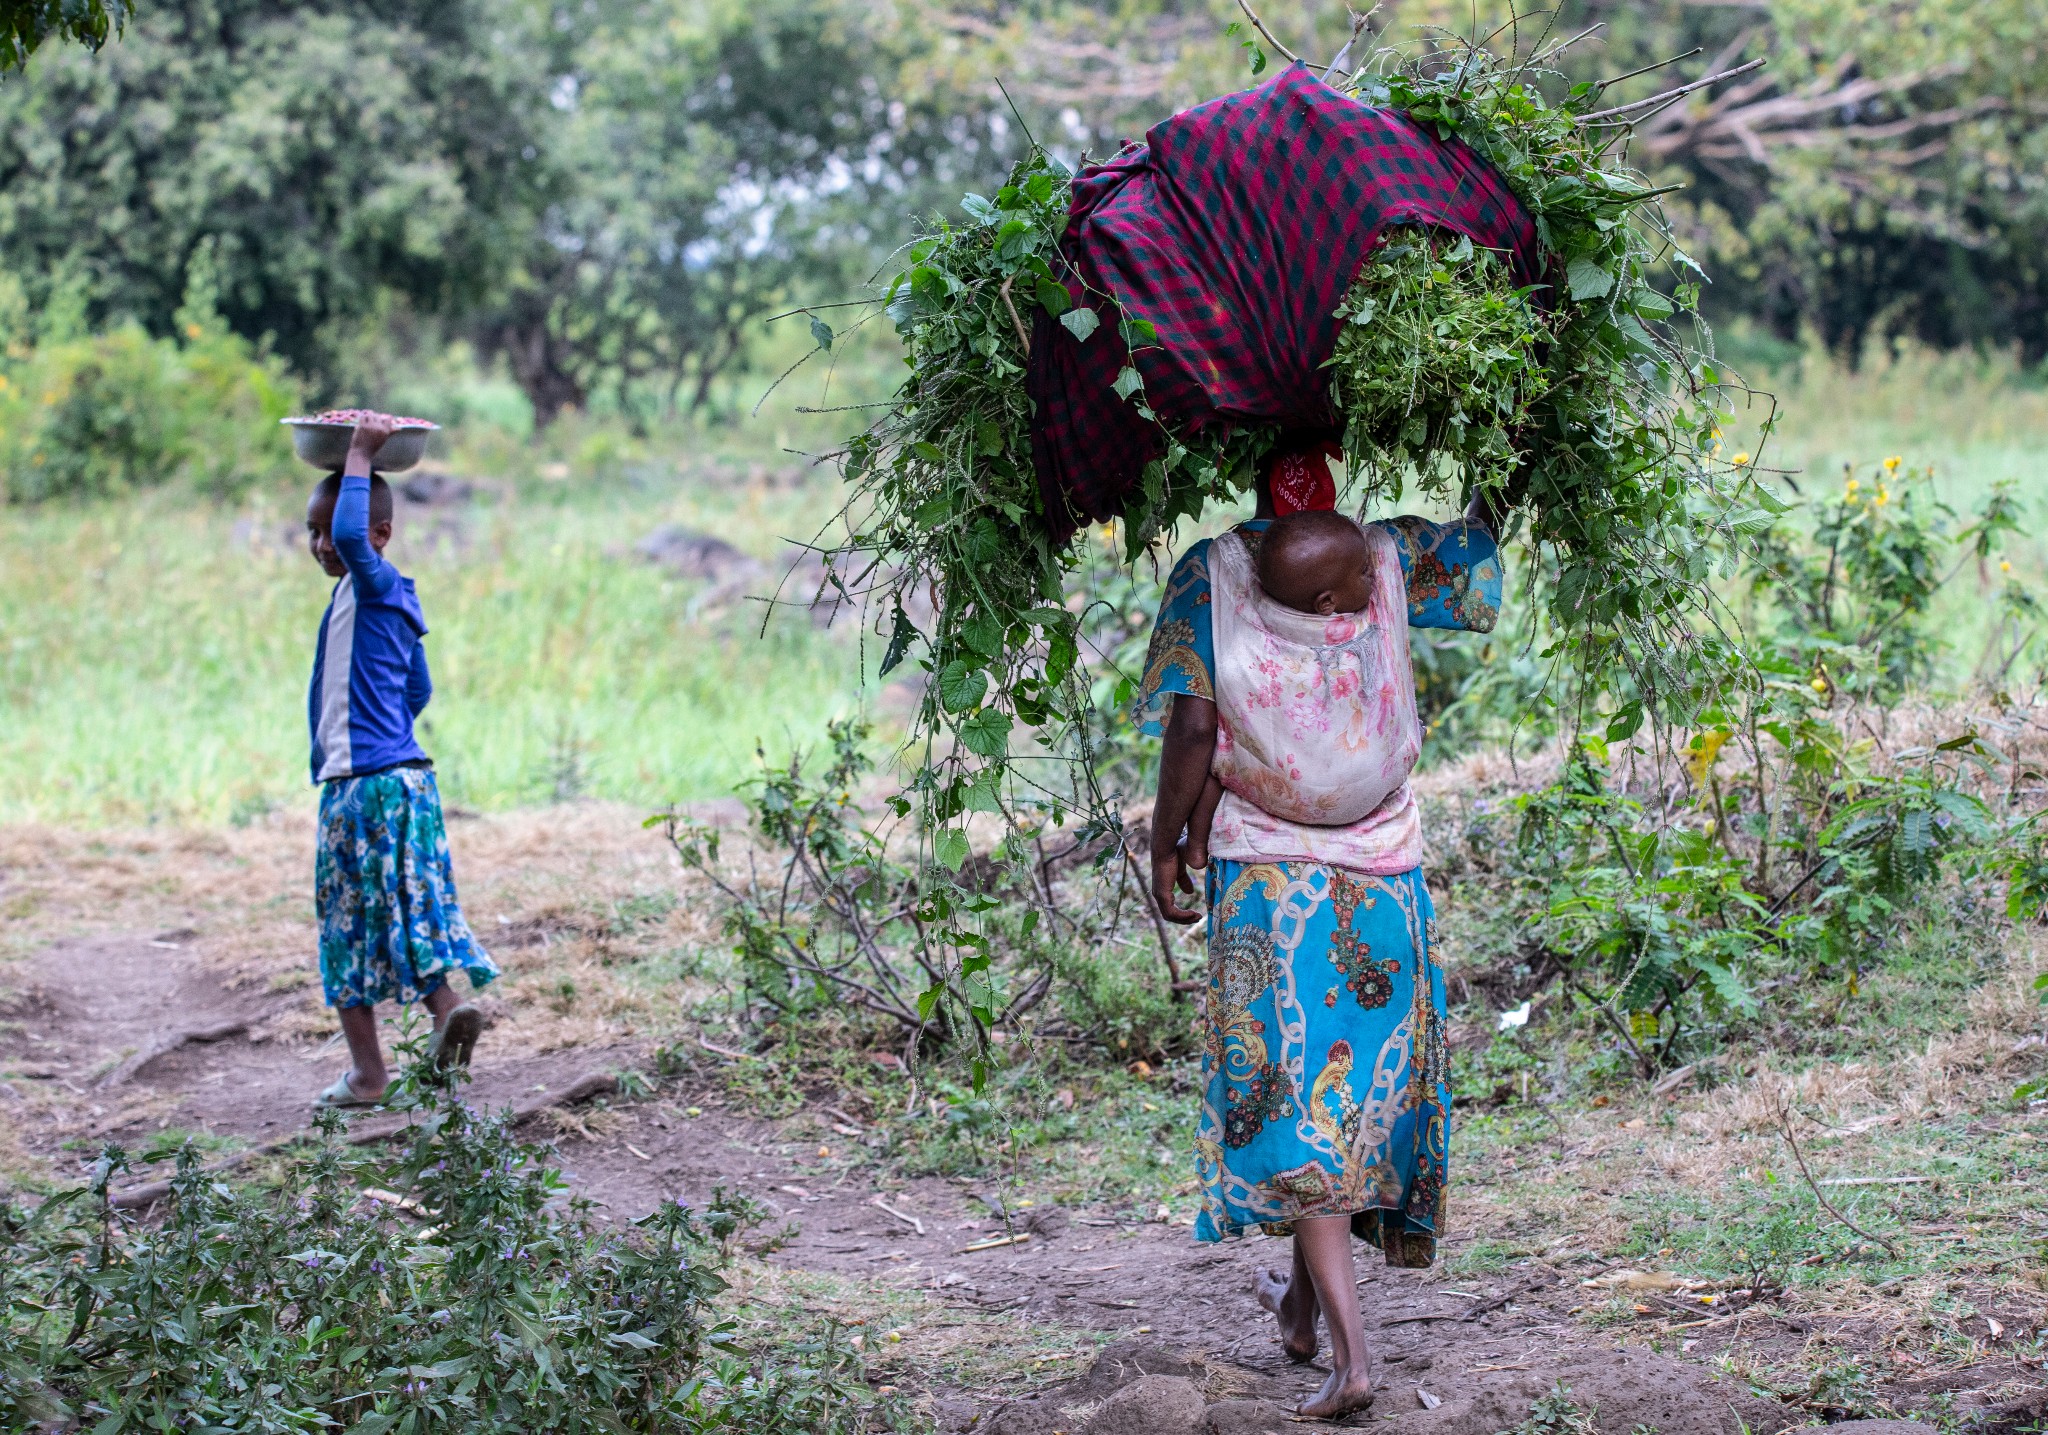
point(391, 928)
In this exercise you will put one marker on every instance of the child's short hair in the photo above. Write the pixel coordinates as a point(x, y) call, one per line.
point(1297, 553)
point(329, 490)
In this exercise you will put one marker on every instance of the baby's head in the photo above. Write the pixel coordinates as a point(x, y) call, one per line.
point(1316, 562)
point(320, 520)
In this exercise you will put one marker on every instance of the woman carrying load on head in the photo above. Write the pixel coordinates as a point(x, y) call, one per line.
point(1326, 1100)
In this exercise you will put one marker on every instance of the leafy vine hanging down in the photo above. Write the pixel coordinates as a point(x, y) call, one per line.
point(1590, 405)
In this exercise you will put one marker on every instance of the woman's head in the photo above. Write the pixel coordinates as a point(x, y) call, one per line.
point(1316, 562)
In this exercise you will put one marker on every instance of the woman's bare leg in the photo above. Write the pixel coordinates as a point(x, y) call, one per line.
point(1292, 1300)
point(1322, 1245)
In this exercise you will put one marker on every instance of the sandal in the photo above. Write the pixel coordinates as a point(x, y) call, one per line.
point(343, 1094)
point(456, 1040)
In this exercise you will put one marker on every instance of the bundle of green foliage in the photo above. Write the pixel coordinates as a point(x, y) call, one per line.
point(1438, 365)
point(451, 1288)
point(1593, 406)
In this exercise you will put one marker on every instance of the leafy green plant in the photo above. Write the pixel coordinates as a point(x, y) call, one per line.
point(1883, 849)
point(1797, 851)
point(844, 922)
point(92, 418)
point(842, 925)
point(448, 1288)
point(1557, 1412)
point(1655, 912)
point(25, 24)
point(1851, 595)
point(1437, 366)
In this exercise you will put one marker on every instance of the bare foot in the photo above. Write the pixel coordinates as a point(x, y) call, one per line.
point(1344, 1392)
point(1297, 1317)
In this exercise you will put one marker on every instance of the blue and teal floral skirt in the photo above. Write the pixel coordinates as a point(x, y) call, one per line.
point(1326, 1082)
point(390, 926)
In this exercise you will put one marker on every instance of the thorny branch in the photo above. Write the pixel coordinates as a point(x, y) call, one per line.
point(1655, 100)
point(1785, 1129)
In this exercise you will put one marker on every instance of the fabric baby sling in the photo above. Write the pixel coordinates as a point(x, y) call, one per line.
point(1316, 719)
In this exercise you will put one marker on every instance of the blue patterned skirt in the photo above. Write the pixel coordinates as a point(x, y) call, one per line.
point(390, 926)
point(1326, 1080)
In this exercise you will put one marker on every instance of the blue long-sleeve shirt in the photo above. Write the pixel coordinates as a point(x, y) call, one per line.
point(370, 677)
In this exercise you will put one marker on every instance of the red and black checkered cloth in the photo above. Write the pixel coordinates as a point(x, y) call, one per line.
point(1235, 229)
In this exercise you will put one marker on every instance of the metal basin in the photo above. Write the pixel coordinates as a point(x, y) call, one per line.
point(325, 445)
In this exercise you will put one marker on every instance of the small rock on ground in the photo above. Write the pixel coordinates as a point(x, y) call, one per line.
point(1152, 1405)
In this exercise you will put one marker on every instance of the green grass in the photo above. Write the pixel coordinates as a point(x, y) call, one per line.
point(155, 649)
point(154, 663)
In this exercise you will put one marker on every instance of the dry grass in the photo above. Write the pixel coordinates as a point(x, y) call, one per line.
point(578, 902)
point(1958, 1076)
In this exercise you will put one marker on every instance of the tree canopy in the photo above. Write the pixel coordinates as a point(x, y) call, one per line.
point(317, 157)
point(609, 196)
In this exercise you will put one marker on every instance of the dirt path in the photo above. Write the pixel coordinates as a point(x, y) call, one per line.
point(115, 1038)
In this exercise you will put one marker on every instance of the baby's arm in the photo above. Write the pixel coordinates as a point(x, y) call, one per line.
point(1200, 821)
point(419, 683)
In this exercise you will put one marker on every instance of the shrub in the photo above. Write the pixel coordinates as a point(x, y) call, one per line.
point(88, 418)
point(1787, 843)
point(450, 1288)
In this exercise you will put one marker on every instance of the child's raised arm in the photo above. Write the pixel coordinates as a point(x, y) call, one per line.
point(373, 576)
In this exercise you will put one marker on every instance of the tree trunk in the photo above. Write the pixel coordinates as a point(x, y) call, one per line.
point(536, 366)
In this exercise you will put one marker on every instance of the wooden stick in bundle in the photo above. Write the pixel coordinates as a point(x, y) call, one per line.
point(1659, 101)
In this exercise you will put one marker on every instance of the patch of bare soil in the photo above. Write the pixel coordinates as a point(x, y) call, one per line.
point(114, 1037)
point(160, 982)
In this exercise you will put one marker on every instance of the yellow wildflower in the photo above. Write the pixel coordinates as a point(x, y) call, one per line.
point(1851, 486)
point(1891, 465)
point(1884, 496)
point(2005, 565)
point(1740, 459)
point(1820, 685)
